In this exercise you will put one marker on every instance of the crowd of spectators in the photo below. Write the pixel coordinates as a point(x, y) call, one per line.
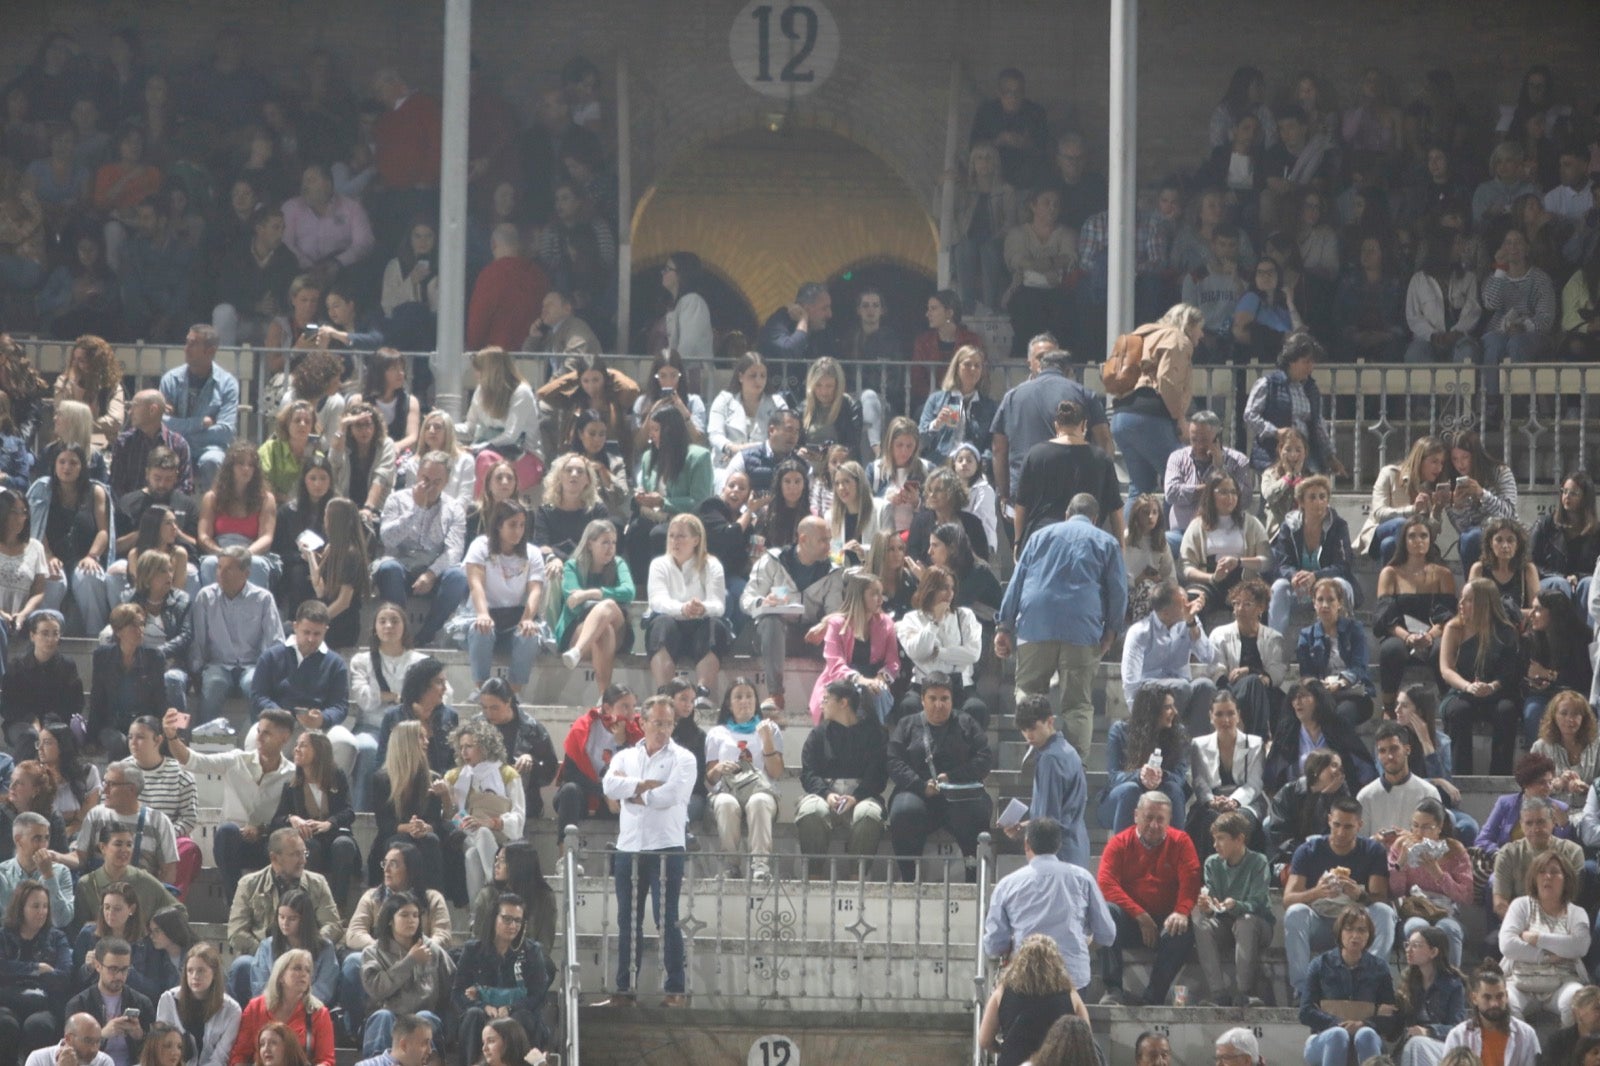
point(788, 518)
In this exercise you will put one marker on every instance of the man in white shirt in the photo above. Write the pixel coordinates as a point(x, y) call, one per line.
point(1388, 803)
point(79, 1046)
point(252, 783)
point(1574, 197)
point(652, 782)
point(1491, 1012)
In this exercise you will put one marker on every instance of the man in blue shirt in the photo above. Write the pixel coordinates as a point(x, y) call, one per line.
point(1026, 416)
point(1052, 897)
point(1060, 790)
point(202, 403)
point(1156, 654)
point(1062, 610)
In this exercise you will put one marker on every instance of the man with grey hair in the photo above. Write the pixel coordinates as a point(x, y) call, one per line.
point(33, 861)
point(157, 847)
point(202, 403)
point(1150, 876)
point(145, 433)
point(508, 295)
point(1188, 470)
point(796, 335)
point(423, 532)
point(1027, 415)
point(235, 622)
point(1238, 1047)
point(790, 590)
point(79, 1044)
point(1062, 610)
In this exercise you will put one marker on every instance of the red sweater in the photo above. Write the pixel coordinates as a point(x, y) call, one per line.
point(505, 301)
point(408, 144)
point(1161, 882)
point(255, 1018)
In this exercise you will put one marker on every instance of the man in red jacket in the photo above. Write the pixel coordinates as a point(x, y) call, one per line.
point(1150, 876)
point(508, 295)
point(591, 742)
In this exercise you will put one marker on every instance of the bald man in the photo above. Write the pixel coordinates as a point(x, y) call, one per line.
point(79, 1046)
point(791, 589)
point(145, 433)
point(508, 296)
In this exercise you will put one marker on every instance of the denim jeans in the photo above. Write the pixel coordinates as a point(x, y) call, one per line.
point(1470, 546)
point(1145, 442)
point(88, 592)
point(1331, 1047)
point(217, 682)
point(448, 593)
point(263, 569)
point(1115, 811)
point(1451, 928)
point(1382, 547)
point(647, 866)
point(1510, 348)
point(1466, 351)
point(482, 646)
point(981, 273)
point(352, 993)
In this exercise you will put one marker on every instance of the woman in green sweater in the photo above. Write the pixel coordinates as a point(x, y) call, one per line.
point(674, 478)
point(1233, 910)
point(596, 588)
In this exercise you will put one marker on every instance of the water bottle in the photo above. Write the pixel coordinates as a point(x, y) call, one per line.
point(1154, 762)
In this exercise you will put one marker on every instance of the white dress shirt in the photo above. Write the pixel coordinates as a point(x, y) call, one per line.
point(672, 586)
point(661, 816)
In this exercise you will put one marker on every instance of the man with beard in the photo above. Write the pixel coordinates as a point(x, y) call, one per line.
point(1491, 1032)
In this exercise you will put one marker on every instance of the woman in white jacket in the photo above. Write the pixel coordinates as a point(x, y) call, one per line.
point(689, 322)
point(1442, 306)
point(939, 637)
point(688, 596)
point(1544, 938)
point(739, 414)
point(207, 1016)
point(504, 414)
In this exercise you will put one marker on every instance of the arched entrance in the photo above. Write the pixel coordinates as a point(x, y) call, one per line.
point(767, 211)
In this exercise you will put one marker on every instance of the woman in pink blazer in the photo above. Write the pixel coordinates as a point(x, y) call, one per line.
point(859, 645)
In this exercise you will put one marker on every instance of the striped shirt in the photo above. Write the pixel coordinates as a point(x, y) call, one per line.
point(170, 789)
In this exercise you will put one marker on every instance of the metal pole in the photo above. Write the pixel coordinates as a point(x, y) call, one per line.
point(624, 209)
point(947, 197)
point(1124, 171)
point(449, 366)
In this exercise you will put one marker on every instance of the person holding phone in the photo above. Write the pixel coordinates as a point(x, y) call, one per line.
point(122, 1010)
point(667, 384)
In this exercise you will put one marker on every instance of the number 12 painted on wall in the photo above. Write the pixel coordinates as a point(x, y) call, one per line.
point(806, 37)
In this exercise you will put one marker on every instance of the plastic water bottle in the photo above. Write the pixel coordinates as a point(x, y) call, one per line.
point(1154, 762)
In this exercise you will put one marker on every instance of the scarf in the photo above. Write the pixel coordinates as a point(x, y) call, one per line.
point(745, 728)
point(485, 777)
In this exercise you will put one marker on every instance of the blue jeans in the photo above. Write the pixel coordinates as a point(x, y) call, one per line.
point(1509, 348)
point(482, 646)
point(366, 745)
point(1533, 707)
point(1383, 538)
point(1471, 547)
point(88, 592)
point(1145, 441)
point(239, 976)
point(981, 273)
point(1580, 597)
point(379, 1031)
point(1331, 1047)
point(1115, 811)
point(263, 568)
point(352, 993)
point(1451, 928)
point(390, 578)
point(630, 912)
point(217, 682)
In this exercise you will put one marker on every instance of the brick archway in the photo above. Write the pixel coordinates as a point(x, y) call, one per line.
point(770, 210)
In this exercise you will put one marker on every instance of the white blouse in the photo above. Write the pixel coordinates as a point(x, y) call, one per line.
point(672, 586)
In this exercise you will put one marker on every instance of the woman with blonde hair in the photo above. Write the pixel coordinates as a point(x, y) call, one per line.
point(199, 1006)
point(503, 418)
point(405, 806)
point(897, 476)
point(1033, 991)
point(287, 1003)
point(1480, 662)
point(571, 502)
point(239, 509)
point(73, 423)
point(1415, 487)
point(987, 206)
point(483, 799)
point(93, 377)
point(961, 411)
point(596, 588)
point(1145, 421)
point(285, 454)
point(889, 561)
point(438, 434)
point(829, 415)
point(854, 515)
point(859, 645)
point(688, 598)
point(498, 485)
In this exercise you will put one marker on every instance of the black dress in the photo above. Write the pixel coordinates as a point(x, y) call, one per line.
point(1024, 1021)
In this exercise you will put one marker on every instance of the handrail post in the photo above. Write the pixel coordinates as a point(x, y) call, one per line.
point(574, 978)
point(980, 975)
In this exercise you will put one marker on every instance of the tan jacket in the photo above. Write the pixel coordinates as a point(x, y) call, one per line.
point(1171, 354)
point(435, 920)
point(255, 909)
point(1392, 497)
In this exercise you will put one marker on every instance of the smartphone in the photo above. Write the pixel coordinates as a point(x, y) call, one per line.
point(183, 721)
point(131, 1013)
point(914, 483)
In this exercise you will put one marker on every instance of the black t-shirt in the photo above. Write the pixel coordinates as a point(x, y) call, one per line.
point(131, 508)
point(1053, 473)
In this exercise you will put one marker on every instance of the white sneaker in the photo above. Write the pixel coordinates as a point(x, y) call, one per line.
point(570, 658)
point(759, 873)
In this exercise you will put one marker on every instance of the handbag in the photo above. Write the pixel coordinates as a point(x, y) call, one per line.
point(486, 805)
point(1417, 905)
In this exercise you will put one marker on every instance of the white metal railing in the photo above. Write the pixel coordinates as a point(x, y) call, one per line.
point(1538, 420)
point(980, 976)
point(572, 970)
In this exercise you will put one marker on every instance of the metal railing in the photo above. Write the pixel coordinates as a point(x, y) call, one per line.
point(1538, 418)
point(572, 969)
point(980, 976)
point(844, 941)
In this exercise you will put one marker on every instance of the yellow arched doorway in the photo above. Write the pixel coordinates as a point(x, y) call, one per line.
point(768, 211)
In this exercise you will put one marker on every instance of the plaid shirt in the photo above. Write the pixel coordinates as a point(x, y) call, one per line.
point(131, 451)
point(1152, 241)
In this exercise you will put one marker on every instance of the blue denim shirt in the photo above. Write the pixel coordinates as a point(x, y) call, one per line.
point(1070, 586)
point(217, 399)
point(1330, 978)
point(1313, 653)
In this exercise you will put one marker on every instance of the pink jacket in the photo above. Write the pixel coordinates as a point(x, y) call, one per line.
point(1456, 883)
point(838, 642)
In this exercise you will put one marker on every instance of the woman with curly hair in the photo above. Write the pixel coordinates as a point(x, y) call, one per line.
point(291, 447)
point(438, 434)
point(485, 793)
point(1535, 777)
point(1070, 1042)
point(1152, 725)
point(571, 502)
point(591, 438)
point(94, 377)
point(240, 509)
point(318, 379)
point(1034, 991)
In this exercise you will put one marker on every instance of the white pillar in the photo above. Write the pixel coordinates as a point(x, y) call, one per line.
point(1124, 128)
point(449, 365)
point(624, 209)
point(947, 197)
